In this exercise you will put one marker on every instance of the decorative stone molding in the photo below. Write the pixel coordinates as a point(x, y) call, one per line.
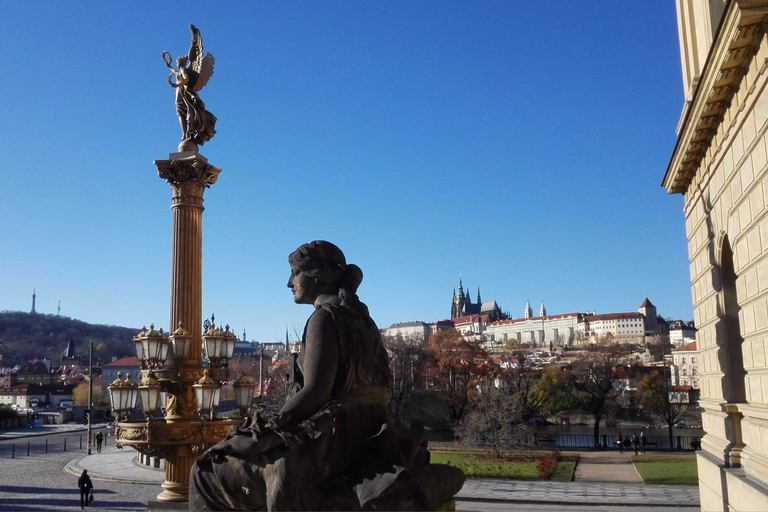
point(748, 22)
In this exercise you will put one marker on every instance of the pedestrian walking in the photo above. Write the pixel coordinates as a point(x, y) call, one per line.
point(620, 442)
point(643, 442)
point(99, 440)
point(85, 485)
point(635, 443)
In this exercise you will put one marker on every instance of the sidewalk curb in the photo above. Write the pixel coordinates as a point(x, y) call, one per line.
point(15, 434)
point(74, 467)
point(571, 502)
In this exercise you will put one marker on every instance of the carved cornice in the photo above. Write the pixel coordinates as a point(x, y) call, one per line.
point(725, 68)
point(189, 174)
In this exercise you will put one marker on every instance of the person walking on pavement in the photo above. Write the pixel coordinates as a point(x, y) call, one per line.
point(99, 440)
point(635, 442)
point(642, 442)
point(85, 485)
point(620, 442)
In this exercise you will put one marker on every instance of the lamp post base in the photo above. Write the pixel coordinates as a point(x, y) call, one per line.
point(179, 442)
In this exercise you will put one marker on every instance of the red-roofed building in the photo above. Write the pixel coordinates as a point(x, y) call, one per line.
point(126, 365)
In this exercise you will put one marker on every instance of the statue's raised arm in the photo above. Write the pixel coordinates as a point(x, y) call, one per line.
point(194, 71)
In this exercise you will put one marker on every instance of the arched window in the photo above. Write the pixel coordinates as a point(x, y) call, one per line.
point(734, 390)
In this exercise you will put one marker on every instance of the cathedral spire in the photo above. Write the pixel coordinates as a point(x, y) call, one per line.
point(478, 295)
point(528, 311)
point(542, 310)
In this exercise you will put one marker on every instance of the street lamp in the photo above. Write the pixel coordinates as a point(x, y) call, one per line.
point(212, 345)
point(151, 347)
point(122, 394)
point(244, 387)
point(207, 394)
point(181, 341)
point(150, 393)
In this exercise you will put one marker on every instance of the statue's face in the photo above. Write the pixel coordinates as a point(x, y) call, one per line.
point(303, 286)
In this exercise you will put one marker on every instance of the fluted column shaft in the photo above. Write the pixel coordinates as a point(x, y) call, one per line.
point(189, 174)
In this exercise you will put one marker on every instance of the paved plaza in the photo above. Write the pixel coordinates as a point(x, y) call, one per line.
point(604, 481)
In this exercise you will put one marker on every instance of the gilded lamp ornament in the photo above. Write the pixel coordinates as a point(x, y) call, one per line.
point(207, 394)
point(122, 394)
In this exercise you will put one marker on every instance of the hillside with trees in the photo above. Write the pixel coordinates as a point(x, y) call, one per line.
point(28, 336)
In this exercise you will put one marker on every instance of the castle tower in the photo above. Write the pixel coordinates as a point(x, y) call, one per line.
point(542, 310)
point(458, 307)
point(528, 311)
point(648, 310)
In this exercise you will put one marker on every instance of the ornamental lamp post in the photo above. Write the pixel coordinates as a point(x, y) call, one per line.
point(181, 434)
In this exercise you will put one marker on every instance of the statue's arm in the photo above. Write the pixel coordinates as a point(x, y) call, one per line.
point(321, 360)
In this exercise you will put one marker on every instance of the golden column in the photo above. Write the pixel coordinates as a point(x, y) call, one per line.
point(182, 434)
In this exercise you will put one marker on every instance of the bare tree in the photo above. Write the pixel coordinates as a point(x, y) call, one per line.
point(407, 362)
point(494, 418)
point(598, 378)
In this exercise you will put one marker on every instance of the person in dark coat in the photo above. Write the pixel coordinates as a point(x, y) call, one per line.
point(85, 485)
point(620, 442)
point(99, 440)
point(635, 443)
point(643, 442)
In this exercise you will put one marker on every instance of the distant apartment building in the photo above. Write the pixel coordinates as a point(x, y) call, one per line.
point(409, 330)
point(126, 366)
point(559, 330)
point(681, 333)
point(685, 366)
point(616, 325)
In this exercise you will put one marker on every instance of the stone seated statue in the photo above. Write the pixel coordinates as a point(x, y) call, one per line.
point(334, 445)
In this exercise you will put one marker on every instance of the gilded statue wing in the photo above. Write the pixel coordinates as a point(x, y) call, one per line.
point(202, 66)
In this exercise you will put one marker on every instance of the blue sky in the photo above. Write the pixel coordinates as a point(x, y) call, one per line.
point(520, 145)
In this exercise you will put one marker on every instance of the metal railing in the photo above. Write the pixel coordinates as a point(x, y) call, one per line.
point(26, 447)
point(653, 443)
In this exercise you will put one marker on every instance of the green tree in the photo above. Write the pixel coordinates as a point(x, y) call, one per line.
point(552, 392)
point(659, 403)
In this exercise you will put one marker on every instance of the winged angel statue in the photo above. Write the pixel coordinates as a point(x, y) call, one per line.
point(197, 124)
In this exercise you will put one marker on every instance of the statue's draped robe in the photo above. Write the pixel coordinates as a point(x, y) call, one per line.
point(201, 124)
point(350, 455)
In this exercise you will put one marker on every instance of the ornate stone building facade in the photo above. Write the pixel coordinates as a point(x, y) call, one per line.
point(719, 165)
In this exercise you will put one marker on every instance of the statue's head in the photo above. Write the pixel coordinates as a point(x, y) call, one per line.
point(181, 62)
point(320, 267)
